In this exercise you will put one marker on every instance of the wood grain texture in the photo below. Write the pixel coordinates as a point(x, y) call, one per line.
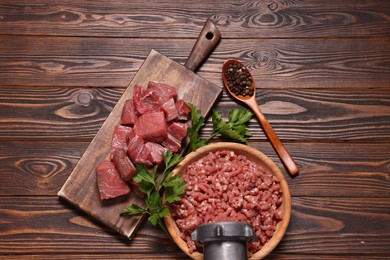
point(135, 256)
point(236, 19)
point(55, 113)
point(274, 63)
point(340, 224)
point(58, 114)
point(361, 169)
point(323, 75)
point(179, 256)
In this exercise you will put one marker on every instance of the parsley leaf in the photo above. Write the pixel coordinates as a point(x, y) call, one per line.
point(153, 185)
point(171, 160)
point(235, 128)
point(145, 178)
point(133, 209)
point(197, 121)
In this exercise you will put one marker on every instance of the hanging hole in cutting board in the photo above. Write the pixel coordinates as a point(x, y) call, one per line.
point(209, 35)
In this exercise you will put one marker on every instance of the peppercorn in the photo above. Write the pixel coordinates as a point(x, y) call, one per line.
point(239, 80)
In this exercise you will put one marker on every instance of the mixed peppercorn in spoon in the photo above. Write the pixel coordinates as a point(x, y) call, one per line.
point(239, 80)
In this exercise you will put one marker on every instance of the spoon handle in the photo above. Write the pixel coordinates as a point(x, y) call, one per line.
point(284, 155)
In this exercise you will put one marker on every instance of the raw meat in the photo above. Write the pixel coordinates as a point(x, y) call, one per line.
point(169, 109)
point(144, 100)
point(156, 150)
point(110, 183)
point(129, 114)
point(162, 92)
point(144, 156)
point(178, 130)
point(135, 147)
point(225, 186)
point(138, 152)
point(123, 164)
point(183, 110)
point(172, 143)
point(152, 127)
point(120, 138)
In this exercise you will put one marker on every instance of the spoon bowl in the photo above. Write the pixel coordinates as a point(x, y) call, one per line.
point(246, 93)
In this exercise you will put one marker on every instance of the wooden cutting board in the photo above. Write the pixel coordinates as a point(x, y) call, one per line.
point(80, 189)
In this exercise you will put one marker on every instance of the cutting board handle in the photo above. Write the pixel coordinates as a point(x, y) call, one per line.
point(206, 42)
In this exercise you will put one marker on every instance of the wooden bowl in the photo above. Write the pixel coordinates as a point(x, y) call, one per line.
point(260, 159)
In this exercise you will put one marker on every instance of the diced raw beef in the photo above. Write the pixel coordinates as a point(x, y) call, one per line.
point(135, 187)
point(178, 130)
point(172, 143)
point(144, 156)
point(152, 127)
point(157, 151)
point(144, 100)
point(183, 110)
point(138, 152)
point(129, 115)
point(135, 147)
point(130, 136)
point(123, 164)
point(162, 92)
point(110, 183)
point(169, 109)
point(120, 138)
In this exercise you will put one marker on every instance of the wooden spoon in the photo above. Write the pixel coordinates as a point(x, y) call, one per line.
point(250, 100)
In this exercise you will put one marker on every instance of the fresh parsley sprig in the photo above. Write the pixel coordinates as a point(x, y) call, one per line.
point(197, 122)
point(153, 184)
point(235, 128)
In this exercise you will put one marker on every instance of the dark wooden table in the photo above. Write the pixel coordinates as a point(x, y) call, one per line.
point(323, 74)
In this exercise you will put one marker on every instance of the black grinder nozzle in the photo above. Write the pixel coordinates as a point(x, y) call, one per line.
point(224, 240)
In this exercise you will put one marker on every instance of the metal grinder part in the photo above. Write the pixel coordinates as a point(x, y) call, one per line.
point(224, 240)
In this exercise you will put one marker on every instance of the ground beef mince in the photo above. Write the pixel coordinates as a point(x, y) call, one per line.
point(225, 186)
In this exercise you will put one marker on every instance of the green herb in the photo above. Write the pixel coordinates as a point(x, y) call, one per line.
point(235, 128)
point(153, 186)
point(197, 121)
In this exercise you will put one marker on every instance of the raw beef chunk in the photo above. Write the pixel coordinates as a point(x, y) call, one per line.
point(156, 151)
point(162, 92)
point(183, 110)
point(110, 183)
point(172, 143)
point(152, 127)
point(138, 152)
point(144, 100)
point(144, 156)
point(135, 147)
point(169, 109)
point(178, 130)
point(129, 114)
point(120, 138)
point(123, 164)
